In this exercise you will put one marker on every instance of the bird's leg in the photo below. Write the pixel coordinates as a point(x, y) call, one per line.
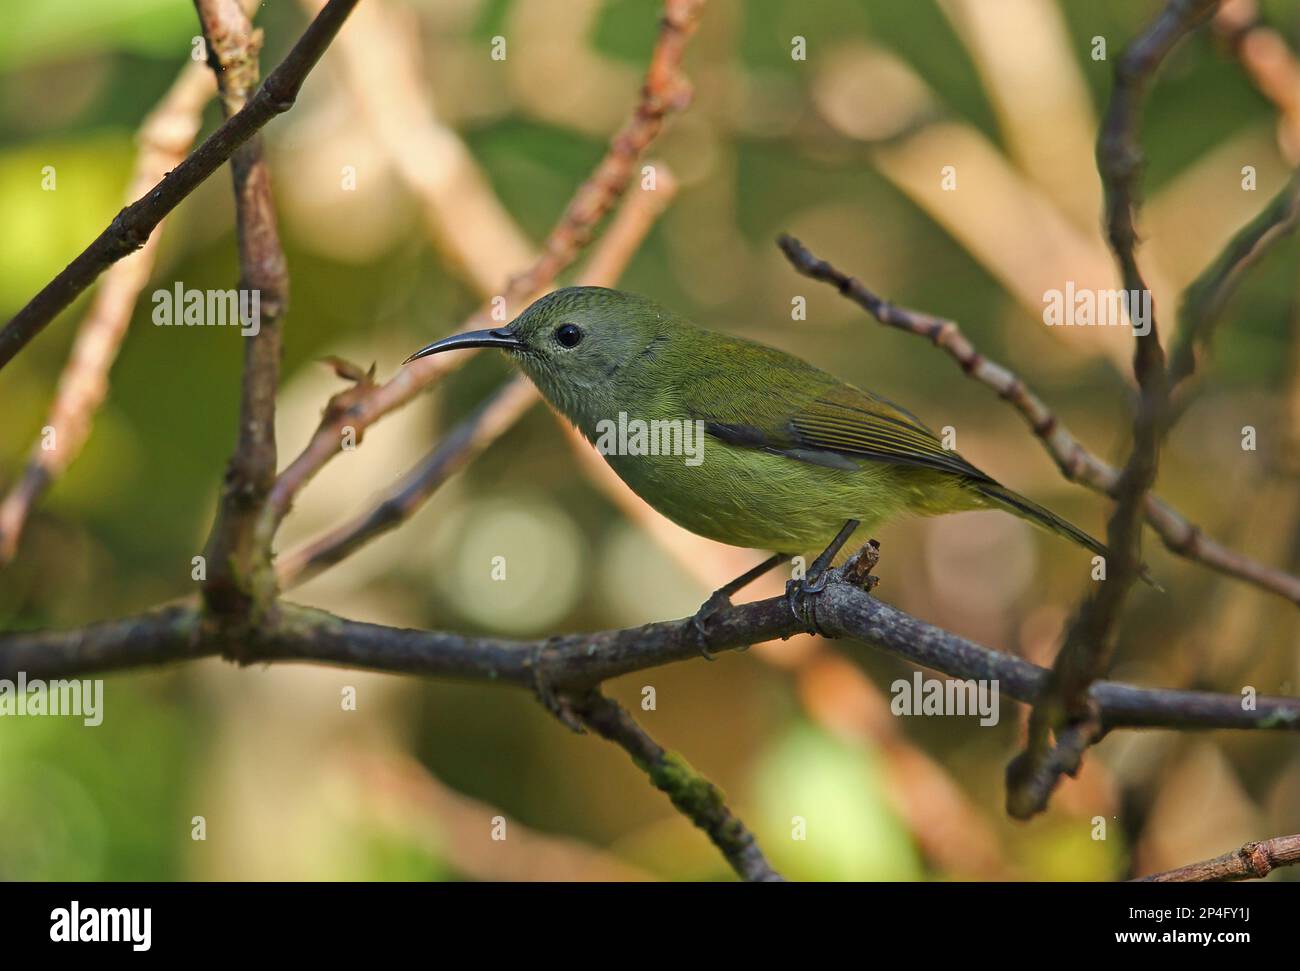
point(814, 581)
point(721, 598)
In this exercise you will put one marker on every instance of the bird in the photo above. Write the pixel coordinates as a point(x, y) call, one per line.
point(757, 447)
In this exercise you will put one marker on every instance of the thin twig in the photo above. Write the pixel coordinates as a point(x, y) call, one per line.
point(1250, 862)
point(240, 578)
point(164, 138)
point(130, 229)
point(695, 796)
point(399, 503)
point(1074, 460)
point(1204, 300)
point(665, 90)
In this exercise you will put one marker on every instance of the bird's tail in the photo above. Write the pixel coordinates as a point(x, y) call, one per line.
point(1044, 518)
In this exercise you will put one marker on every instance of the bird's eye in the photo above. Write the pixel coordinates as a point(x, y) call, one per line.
point(568, 335)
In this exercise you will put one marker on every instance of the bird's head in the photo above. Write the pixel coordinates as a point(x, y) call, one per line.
point(578, 344)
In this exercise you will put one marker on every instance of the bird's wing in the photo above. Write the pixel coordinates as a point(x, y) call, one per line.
point(808, 415)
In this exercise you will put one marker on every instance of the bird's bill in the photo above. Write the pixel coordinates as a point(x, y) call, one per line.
point(493, 337)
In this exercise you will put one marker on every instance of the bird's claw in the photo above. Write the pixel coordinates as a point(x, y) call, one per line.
point(798, 593)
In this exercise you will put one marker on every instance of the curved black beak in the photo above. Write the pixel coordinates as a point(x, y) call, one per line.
point(492, 337)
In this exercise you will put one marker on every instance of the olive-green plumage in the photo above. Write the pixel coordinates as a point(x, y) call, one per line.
point(789, 452)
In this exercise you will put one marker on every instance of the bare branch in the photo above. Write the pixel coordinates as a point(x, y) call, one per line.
point(628, 228)
point(381, 67)
point(453, 453)
point(1204, 299)
point(132, 226)
point(665, 90)
point(1251, 862)
point(164, 138)
point(1065, 710)
point(571, 663)
point(1075, 461)
point(695, 796)
point(240, 578)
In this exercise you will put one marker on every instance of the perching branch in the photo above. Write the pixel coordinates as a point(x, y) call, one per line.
point(164, 138)
point(1250, 862)
point(240, 578)
point(1074, 460)
point(665, 90)
point(695, 796)
point(132, 226)
point(573, 663)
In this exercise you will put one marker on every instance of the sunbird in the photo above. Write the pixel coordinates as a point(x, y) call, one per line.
point(792, 459)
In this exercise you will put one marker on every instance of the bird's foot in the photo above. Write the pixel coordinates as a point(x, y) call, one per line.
point(718, 600)
point(799, 594)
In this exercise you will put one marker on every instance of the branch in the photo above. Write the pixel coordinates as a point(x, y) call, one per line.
point(399, 503)
point(1076, 463)
point(240, 578)
point(695, 796)
point(665, 90)
point(572, 663)
point(381, 66)
point(132, 226)
point(1251, 862)
point(164, 138)
point(1063, 723)
point(1204, 299)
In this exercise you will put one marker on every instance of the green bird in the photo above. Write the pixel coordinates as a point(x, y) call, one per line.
point(779, 454)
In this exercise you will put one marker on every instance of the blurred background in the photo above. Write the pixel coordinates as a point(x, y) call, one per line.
point(462, 163)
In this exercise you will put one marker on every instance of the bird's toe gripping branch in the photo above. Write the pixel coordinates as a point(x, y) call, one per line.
point(801, 593)
point(721, 600)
